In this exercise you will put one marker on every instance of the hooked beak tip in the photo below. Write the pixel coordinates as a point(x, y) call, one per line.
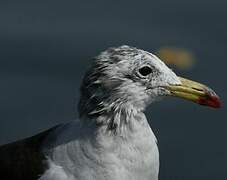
point(195, 92)
point(212, 101)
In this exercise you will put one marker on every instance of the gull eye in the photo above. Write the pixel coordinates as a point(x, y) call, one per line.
point(145, 70)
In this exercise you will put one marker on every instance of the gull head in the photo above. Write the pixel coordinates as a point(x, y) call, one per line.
point(125, 77)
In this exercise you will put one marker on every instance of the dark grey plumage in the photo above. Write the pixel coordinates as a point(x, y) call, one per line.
point(24, 159)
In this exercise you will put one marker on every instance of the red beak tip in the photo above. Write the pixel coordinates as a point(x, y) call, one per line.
point(212, 101)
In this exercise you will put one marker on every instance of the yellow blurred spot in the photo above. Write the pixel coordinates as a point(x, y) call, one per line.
point(181, 58)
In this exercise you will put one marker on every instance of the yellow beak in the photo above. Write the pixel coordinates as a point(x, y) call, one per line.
point(196, 92)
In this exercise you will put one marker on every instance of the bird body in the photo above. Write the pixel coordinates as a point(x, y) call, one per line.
point(87, 152)
point(112, 139)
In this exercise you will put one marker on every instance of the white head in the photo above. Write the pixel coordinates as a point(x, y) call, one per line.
point(127, 76)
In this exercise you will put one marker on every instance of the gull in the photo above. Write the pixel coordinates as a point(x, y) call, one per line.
point(111, 139)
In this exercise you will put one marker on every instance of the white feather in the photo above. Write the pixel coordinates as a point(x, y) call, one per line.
point(112, 139)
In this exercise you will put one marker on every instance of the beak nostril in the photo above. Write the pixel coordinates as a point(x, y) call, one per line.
point(195, 92)
point(197, 89)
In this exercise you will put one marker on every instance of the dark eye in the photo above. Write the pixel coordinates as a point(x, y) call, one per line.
point(145, 70)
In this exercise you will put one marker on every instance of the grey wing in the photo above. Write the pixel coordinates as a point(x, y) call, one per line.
point(23, 160)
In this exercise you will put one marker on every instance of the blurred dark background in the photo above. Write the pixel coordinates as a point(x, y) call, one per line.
point(46, 46)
